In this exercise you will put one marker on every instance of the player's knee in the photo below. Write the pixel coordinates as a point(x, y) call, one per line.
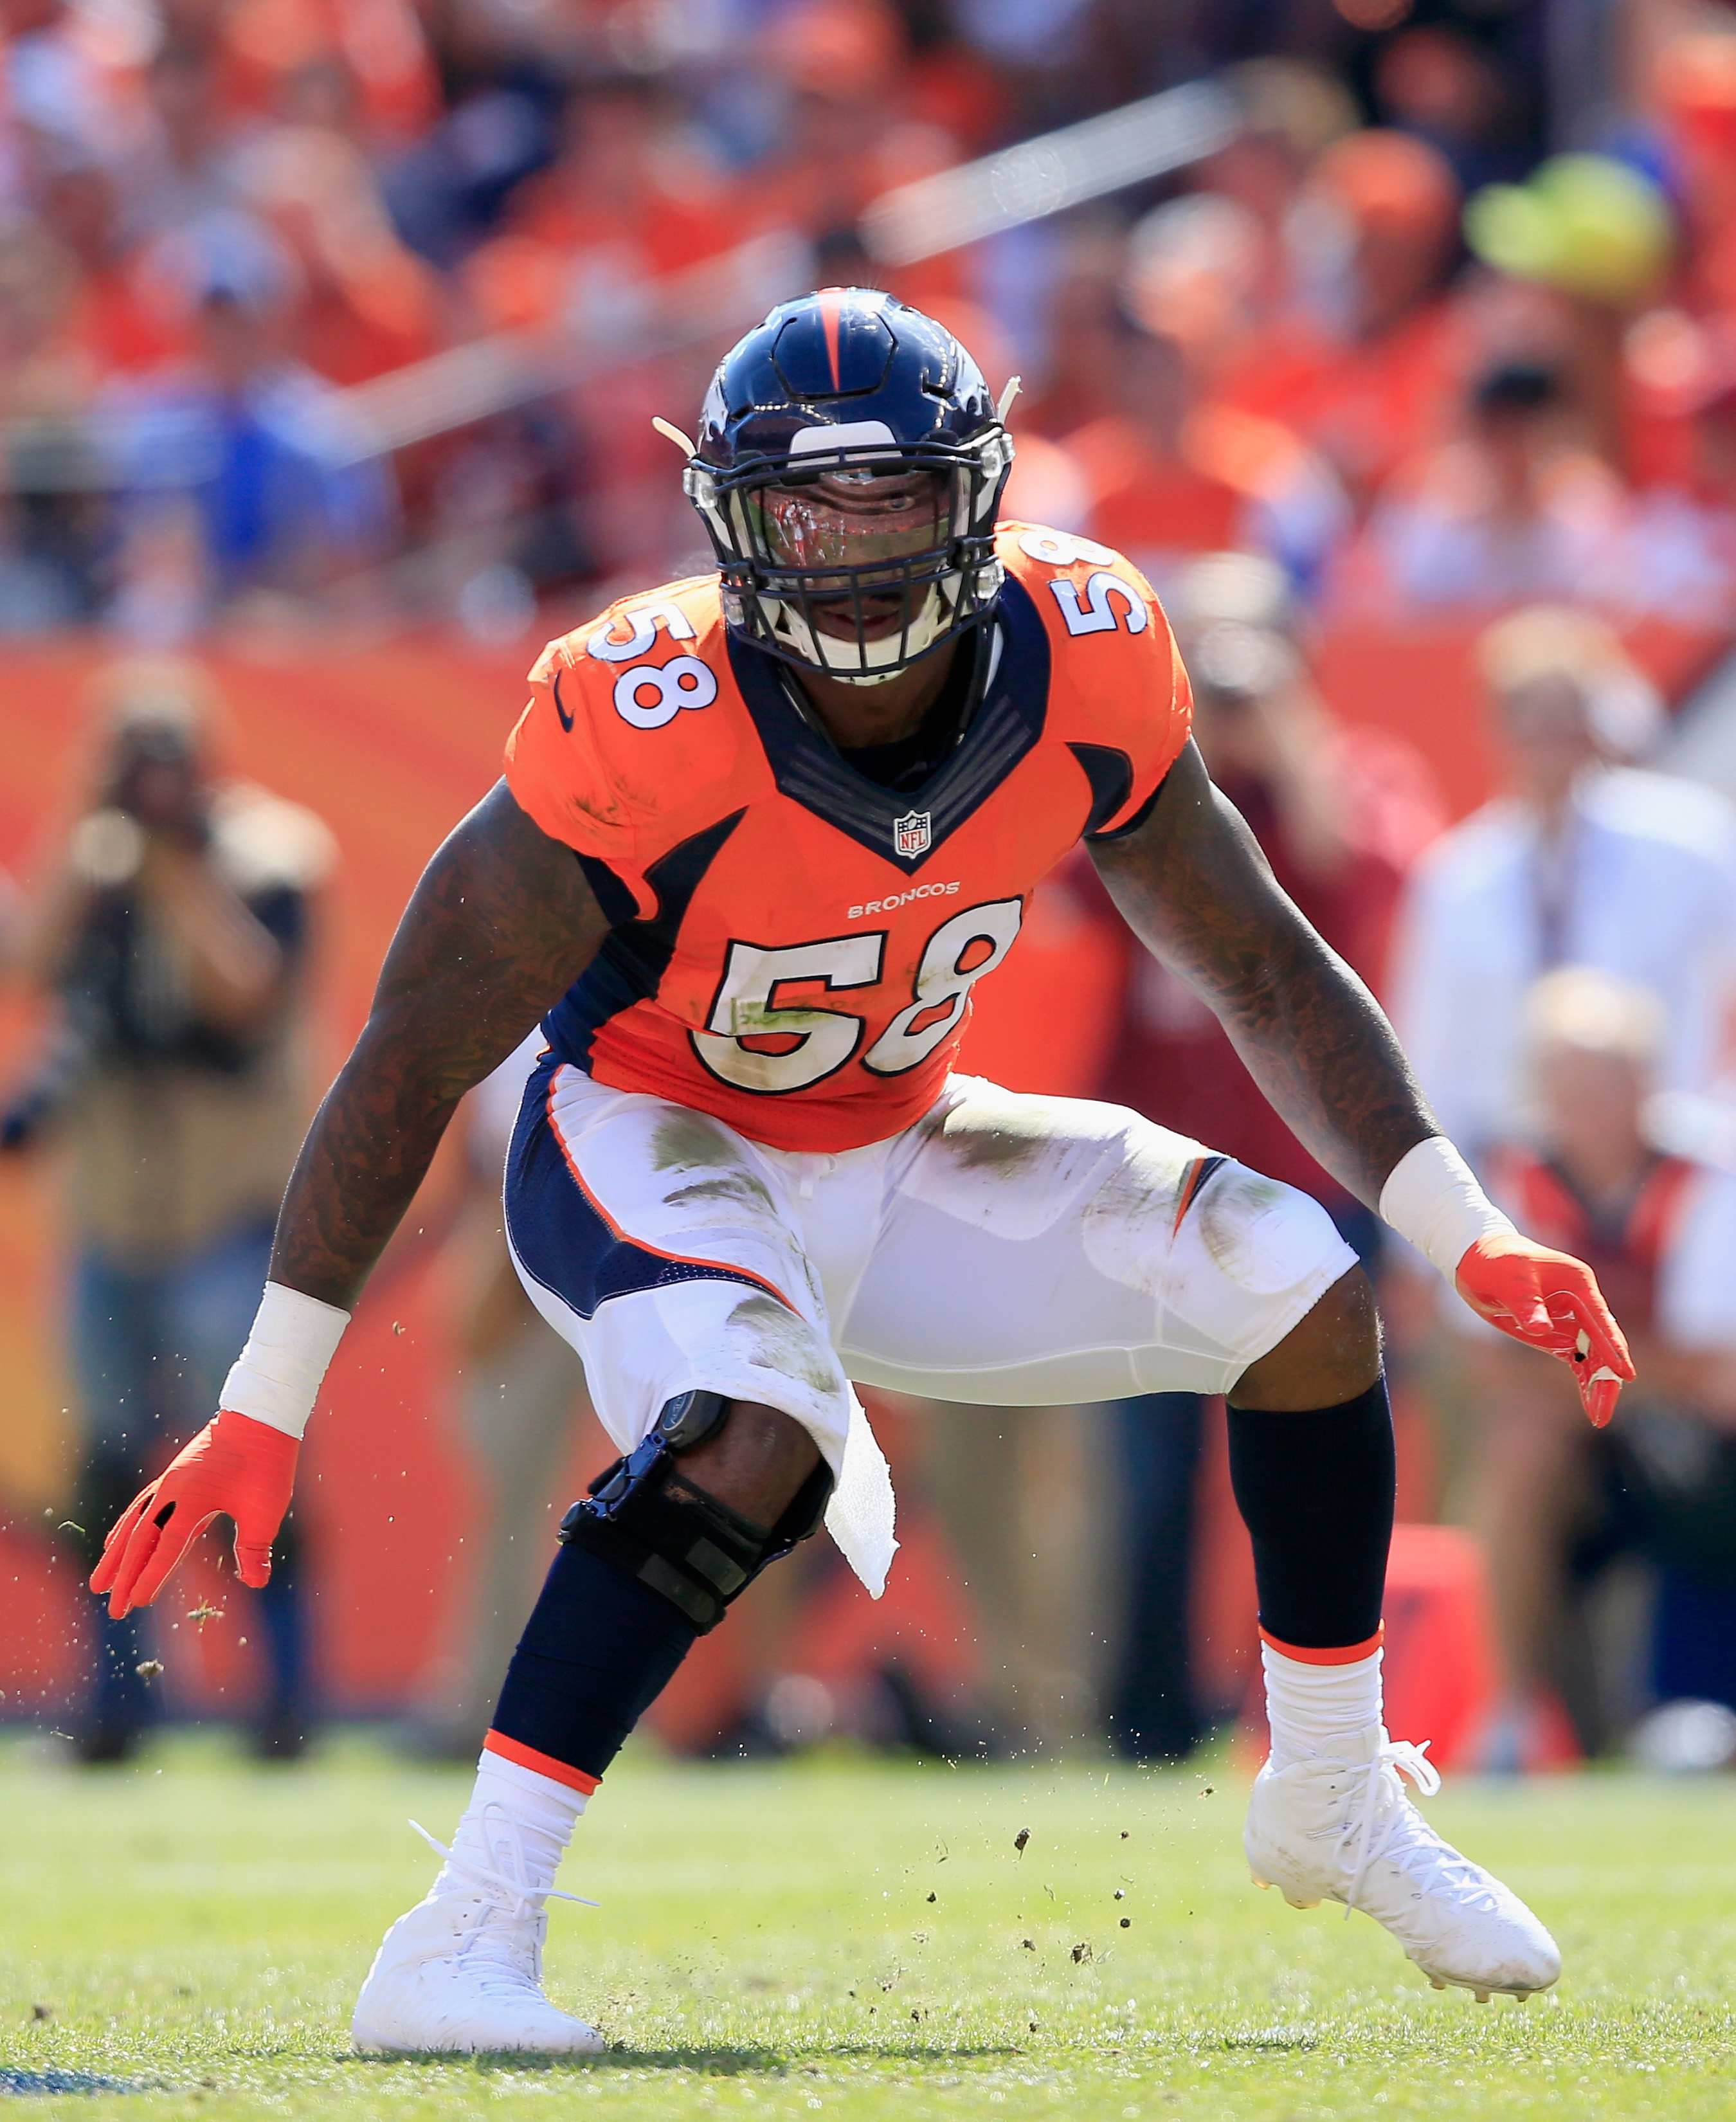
point(720, 1488)
point(1331, 1355)
point(755, 1462)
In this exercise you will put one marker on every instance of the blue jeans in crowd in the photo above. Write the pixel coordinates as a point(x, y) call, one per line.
point(150, 1349)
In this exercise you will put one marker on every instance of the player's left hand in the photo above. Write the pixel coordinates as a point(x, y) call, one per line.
point(1549, 1301)
point(235, 1465)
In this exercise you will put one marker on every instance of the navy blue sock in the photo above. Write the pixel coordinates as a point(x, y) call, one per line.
point(1315, 1492)
point(598, 1650)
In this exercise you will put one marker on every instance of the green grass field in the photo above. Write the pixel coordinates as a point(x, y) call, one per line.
point(850, 1939)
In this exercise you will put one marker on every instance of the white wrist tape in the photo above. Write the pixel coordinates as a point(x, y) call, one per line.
point(1431, 1197)
point(276, 1376)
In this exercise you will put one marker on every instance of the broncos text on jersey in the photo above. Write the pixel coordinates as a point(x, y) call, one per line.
point(793, 946)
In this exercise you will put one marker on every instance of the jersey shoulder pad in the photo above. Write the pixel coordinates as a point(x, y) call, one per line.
point(1118, 693)
point(615, 749)
point(638, 626)
point(1086, 592)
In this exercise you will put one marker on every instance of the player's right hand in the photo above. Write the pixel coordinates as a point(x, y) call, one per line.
point(235, 1465)
point(1549, 1301)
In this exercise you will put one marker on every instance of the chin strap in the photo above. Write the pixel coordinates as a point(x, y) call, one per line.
point(863, 677)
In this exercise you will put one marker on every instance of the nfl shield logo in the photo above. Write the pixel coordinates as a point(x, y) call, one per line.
point(910, 834)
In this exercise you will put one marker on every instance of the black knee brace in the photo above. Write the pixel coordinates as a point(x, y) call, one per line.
point(643, 1516)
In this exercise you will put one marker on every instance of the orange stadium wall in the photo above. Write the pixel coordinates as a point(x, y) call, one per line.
point(389, 745)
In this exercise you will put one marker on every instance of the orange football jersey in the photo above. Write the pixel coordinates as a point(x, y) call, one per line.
point(793, 946)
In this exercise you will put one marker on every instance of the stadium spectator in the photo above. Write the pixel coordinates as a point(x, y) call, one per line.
point(124, 320)
point(1370, 366)
point(1693, 83)
point(447, 190)
point(1555, 1502)
point(174, 935)
point(630, 196)
point(1080, 338)
point(1198, 271)
point(1340, 813)
point(178, 166)
point(1291, 109)
point(1170, 474)
point(1591, 240)
point(52, 532)
point(242, 475)
point(1678, 557)
point(1581, 860)
point(835, 67)
point(365, 302)
point(1519, 509)
point(1448, 87)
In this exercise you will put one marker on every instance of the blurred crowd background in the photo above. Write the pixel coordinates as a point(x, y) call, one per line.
point(330, 336)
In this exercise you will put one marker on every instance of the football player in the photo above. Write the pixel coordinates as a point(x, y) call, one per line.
point(759, 834)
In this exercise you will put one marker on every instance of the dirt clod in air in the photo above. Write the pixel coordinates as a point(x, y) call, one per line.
point(1020, 1839)
point(148, 1668)
point(1081, 1953)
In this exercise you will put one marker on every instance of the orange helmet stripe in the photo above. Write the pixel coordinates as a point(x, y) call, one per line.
point(831, 315)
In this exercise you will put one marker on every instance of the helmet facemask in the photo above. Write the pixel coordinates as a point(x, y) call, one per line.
point(857, 560)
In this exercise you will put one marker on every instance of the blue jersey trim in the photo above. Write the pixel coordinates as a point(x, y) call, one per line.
point(635, 956)
point(557, 1235)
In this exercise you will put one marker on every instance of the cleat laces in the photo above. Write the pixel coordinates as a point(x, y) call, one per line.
point(528, 1900)
point(1404, 1836)
point(498, 1964)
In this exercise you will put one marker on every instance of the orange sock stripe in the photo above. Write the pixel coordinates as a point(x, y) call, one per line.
point(544, 1764)
point(1349, 1654)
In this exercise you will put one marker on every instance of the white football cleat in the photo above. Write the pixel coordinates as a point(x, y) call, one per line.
point(1341, 1827)
point(463, 1972)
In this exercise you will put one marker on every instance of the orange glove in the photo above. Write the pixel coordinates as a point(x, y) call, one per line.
point(235, 1465)
point(1549, 1301)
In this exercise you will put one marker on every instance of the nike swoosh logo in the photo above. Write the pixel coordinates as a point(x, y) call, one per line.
point(566, 718)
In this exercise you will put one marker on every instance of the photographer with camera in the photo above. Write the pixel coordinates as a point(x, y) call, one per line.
point(172, 935)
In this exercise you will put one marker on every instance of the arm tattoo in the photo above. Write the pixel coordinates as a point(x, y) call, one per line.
point(500, 926)
point(1194, 887)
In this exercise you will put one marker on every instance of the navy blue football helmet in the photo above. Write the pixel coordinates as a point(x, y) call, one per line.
point(849, 470)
